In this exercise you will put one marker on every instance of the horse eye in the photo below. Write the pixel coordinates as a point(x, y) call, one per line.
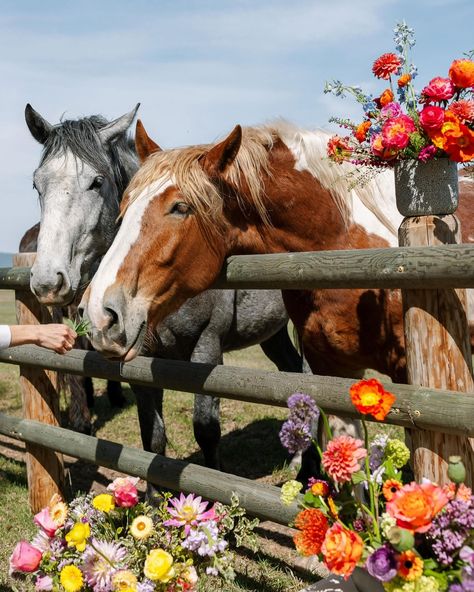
point(181, 208)
point(96, 183)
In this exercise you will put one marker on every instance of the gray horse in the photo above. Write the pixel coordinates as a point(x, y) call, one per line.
point(84, 168)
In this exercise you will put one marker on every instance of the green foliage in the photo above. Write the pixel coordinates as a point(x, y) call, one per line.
point(80, 326)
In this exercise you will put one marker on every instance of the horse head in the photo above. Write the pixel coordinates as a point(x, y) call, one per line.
point(84, 168)
point(170, 245)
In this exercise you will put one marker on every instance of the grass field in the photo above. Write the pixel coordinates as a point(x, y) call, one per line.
point(250, 448)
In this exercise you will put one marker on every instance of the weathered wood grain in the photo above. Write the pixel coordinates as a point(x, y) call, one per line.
point(419, 407)
point(438, 349)
point(40, 400)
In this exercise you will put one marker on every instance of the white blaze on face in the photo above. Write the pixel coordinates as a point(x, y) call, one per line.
point(125, 239)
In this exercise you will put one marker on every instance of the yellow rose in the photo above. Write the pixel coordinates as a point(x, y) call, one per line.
point(78, 535)
point(104, 502)
point(159, 566)
point(71, 578)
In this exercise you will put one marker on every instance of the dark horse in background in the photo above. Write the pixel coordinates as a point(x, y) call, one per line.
point(85, 166)
point(266, 189)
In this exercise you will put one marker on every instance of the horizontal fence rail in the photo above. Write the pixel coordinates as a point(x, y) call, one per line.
point(258, 499)
point(451, 412)
point(446, 266)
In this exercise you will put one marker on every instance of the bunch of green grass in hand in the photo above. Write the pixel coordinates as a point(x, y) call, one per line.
point(80, 326)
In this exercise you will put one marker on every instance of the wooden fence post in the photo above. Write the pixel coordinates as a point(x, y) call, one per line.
point(438, 349)
point(40, 398)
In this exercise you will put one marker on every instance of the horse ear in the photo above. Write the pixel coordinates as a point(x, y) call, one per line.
point(222, 155)
point(144, 145)
point(38, 126)
point(117, 126)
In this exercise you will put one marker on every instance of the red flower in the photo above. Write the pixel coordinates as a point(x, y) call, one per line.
point(370, 398)
point(438, 89)
point(386, 65)
point(380, 150)
point(431, 117)
point(313, 526)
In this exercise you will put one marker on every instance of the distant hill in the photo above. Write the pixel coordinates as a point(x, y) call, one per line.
point(6, 259)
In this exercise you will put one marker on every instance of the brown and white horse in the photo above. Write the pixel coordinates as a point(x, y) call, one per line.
point(265, 189)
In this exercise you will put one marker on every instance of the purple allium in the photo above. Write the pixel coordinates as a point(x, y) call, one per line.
point(450, 529)
point(295, 435)
point(101, 560)
point(382, 564)
point(302, 407)
point(377, 450)
point(456, 588)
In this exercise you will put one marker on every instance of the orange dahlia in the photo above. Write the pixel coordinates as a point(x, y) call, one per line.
point(313, 525)
point(341, 458)
point(386, 65)
point(463, 493)
point(463, 109)
point(410, 566)
point(390, 488)
point(342, 549)
point(370, 398)
point(461, 73)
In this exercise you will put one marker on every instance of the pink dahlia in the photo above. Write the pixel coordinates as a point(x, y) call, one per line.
point(188, 511)
point(342, 456)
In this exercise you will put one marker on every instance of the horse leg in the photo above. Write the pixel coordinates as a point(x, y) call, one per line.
point(280, 350)
point(115, 395)
point(207, 429)
point(150, 417)
point(89, 390)
point(79, 413)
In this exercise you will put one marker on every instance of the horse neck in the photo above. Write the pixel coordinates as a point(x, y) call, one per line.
point(124, 162)
point(303, 214)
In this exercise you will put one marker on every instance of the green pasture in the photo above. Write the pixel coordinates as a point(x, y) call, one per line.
point(250, 448)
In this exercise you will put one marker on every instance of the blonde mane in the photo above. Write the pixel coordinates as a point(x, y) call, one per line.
point(251, 166)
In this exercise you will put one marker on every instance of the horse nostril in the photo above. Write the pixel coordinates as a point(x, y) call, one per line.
point(113, 317)
point(60, 280)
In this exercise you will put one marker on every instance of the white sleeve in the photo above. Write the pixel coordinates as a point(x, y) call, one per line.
point(5, 336)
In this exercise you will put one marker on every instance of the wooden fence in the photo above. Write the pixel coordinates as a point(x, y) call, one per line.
point(427, 411)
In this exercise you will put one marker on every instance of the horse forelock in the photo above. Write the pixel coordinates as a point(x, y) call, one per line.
point(80, 137)
point(251, 169)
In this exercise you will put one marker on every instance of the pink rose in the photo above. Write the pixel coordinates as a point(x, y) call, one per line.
point(396, 132)
point(432, 117)
point(25, 558)
point(44, 521)
point(438, 89)
point(125, 491)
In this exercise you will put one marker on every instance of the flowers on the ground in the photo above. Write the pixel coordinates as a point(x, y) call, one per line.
point(411, 537)
point(400, 123)
point(113, 542)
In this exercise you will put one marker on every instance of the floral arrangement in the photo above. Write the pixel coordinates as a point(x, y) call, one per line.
point(403, 124)
point(410, 537)
point(113, 542)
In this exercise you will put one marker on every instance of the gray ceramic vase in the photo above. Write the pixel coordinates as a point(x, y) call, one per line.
point(426, 188)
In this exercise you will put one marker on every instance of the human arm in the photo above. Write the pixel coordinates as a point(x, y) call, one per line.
point(57, 337)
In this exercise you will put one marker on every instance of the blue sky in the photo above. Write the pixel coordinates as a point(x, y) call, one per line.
point(197, 67)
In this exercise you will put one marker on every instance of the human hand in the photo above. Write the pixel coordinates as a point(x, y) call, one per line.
point(58, 337)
